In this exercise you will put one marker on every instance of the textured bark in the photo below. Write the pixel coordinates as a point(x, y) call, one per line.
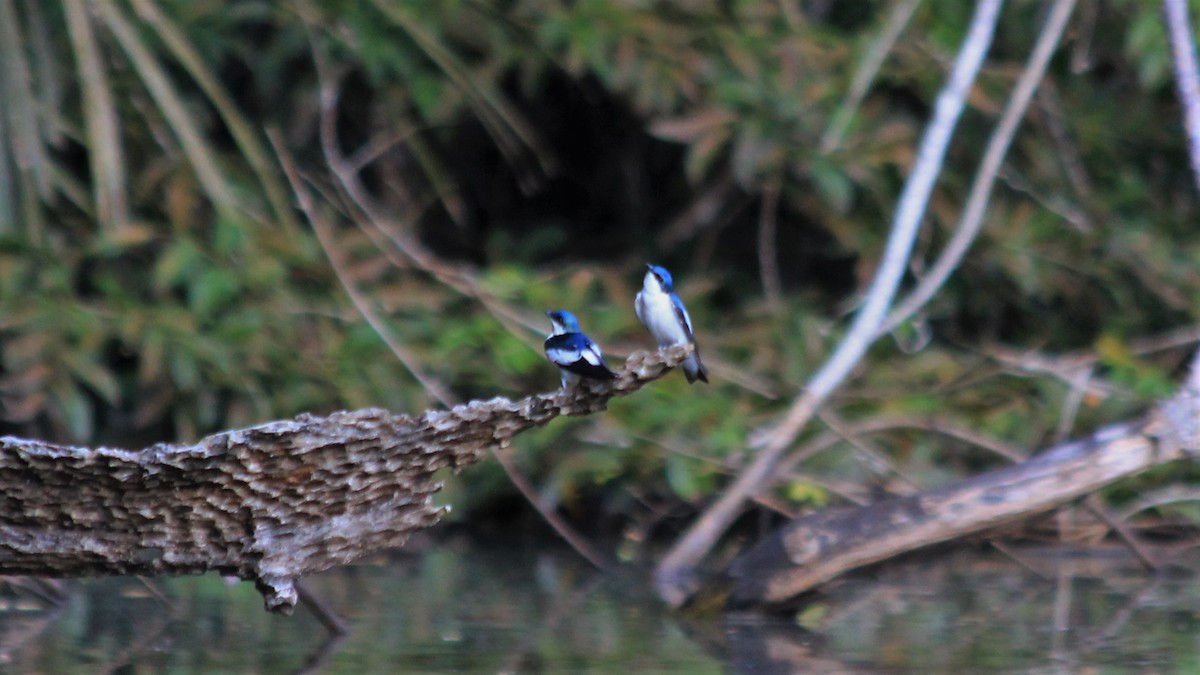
point(817, 548)
point(270, 503)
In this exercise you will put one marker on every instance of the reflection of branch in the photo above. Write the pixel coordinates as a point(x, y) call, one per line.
point(18, 633)
point(560, 526)
point(1096, 639)
point(316, 662)
point(50, 592)
point(552, 620)
point(146, 638)
point(675, 568)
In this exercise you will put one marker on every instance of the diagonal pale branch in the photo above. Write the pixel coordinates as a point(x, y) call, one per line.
point(103, 126)
point(981, 189)
point(1187, 76)
point(673, 576)
point(270, 503)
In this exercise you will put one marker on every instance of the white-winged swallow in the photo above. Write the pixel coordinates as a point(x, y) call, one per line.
point(662, 313)
point(573, 352)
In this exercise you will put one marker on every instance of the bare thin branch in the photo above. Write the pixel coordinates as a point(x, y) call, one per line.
point(937, 425)
point(981, 190)
point(768, 254)
point(507, 127)
point(325, 236)
point(675, 568)
point(377, 223)
point(379, 227)
point(897, 19)
point(560, 526)
point(1187, 75)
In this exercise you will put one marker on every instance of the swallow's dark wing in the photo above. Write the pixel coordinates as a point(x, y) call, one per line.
point(576, 353)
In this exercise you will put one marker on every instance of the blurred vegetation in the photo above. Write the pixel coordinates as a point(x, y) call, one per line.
point(156, 282)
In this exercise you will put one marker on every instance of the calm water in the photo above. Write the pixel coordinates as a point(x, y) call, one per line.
point(467, 608)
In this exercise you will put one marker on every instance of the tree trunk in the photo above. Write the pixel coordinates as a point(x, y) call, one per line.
point(270, 503)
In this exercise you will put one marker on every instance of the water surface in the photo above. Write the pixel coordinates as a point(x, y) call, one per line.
point(469, 608)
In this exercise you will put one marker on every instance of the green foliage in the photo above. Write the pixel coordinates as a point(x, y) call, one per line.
point(156, 282)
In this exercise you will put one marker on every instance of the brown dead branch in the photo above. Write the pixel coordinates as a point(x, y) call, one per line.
point(270, 503)
point(817, 548)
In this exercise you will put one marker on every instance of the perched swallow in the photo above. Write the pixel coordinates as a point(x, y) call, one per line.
point(662, 313)
point(573, 352)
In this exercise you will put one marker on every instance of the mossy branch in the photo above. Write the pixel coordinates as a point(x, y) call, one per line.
point(270, 503)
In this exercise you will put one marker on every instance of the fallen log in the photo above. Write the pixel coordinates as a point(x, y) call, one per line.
point(270, 503)
point(816, 548)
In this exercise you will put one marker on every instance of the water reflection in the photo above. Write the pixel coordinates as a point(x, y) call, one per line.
point(473, 608)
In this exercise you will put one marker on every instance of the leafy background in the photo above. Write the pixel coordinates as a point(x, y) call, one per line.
point(157, 282)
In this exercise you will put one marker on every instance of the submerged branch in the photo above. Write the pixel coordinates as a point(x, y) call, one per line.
point(819, 547)
point(270, 503)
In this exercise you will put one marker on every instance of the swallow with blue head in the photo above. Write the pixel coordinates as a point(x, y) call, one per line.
point(575, 354)
point(661, 311)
